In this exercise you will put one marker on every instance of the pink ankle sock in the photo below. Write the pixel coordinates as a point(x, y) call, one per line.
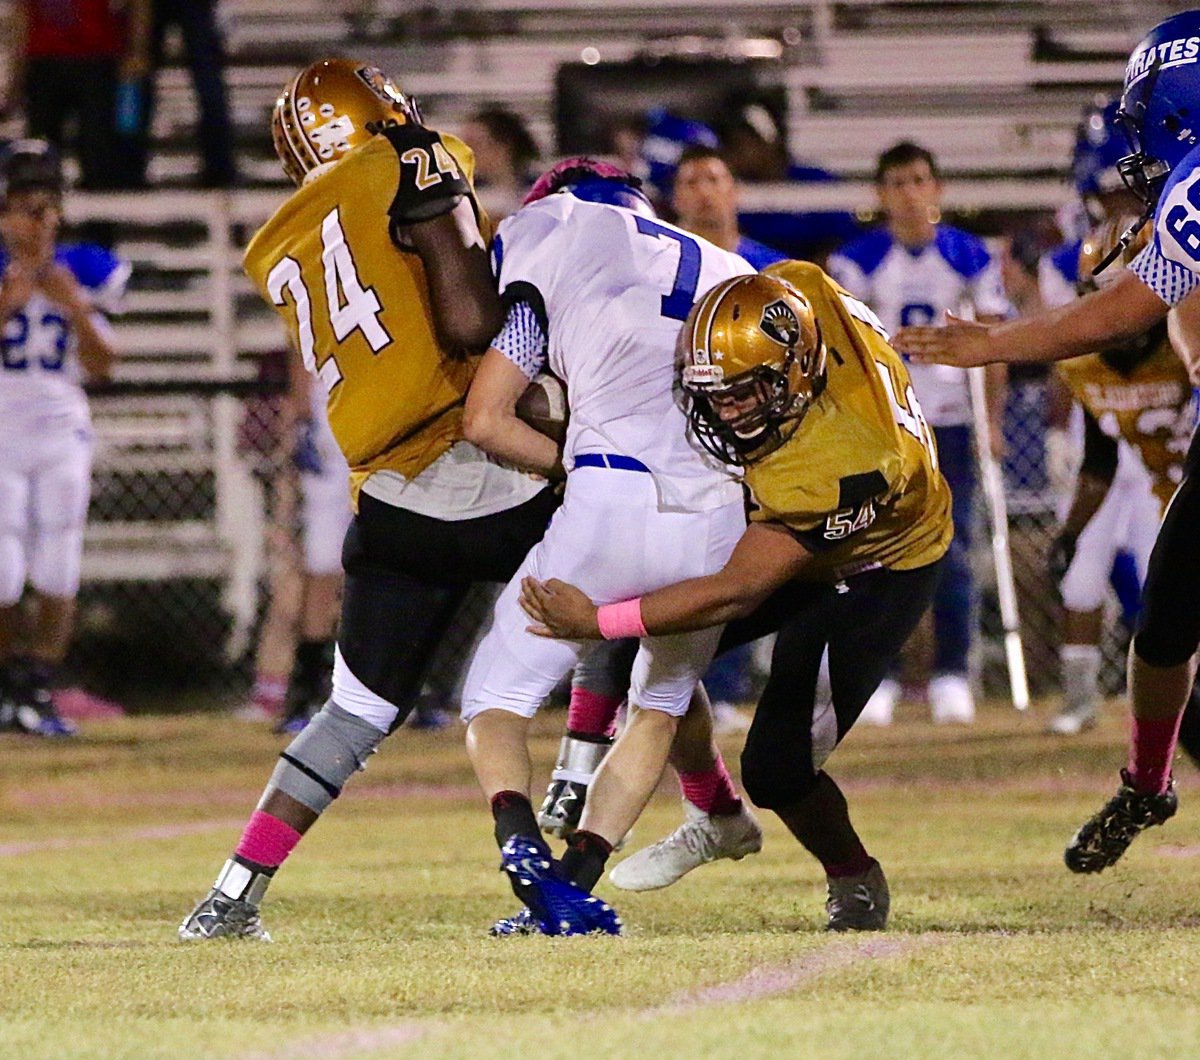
point(591, 714)
point(1151, 749)
point(712, 790)
point(270, 690)
point(859, 864)
point(267, 840)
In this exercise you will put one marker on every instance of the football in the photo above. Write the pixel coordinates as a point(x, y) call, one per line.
point(544, 406)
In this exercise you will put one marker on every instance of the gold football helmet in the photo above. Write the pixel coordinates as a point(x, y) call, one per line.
point(753, 363)
point(1103, 241)
point(330, 107)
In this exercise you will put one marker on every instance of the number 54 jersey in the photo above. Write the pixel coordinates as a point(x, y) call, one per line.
point(358, 310)
point(858, 483)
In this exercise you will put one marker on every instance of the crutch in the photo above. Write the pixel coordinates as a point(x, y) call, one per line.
point(1006, 590)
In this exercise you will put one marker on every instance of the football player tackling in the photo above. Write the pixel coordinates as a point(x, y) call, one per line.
point(1161, 95)
point(386, 332)
point(793, 379)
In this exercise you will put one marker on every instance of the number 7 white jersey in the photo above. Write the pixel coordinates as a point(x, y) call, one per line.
point(611, 289)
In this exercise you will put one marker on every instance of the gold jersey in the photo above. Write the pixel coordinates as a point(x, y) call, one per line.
point(858, 483)
point(1149, 406)
point(358, 310)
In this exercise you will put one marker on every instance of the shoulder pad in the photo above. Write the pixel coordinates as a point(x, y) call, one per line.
point(965, 252)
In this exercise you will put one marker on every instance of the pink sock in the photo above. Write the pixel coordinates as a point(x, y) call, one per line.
point(1151, 749)
point(269, 692)
point(856, 866)
point(266, 840)
point(712, 790)
point(591, 714)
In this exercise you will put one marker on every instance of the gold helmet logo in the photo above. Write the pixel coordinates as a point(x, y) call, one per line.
point(754, 363)
point(331, 107)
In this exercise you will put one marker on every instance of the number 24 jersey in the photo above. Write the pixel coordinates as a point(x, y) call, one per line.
point(358, 310)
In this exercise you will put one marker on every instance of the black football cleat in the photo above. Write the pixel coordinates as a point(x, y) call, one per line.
point(1106, 835)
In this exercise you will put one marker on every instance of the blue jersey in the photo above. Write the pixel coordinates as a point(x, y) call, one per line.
point(1170, 264)
point(40, 376)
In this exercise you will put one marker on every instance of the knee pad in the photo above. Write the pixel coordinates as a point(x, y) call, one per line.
point(54, 560)
point(316, 764)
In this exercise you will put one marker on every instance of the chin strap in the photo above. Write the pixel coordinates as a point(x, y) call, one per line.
point(1127, 237)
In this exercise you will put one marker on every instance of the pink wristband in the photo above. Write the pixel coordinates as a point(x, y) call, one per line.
point(621, 620)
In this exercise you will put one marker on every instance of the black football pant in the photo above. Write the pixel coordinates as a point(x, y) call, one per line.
point(406, 575)
point(863, 623)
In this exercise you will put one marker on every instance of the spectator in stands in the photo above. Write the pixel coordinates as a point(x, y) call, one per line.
point(65, 63)
point(51, 297)
point(754, 147)
point(204, 50)
point(704, 196)
point(909, 270)
point(505, 157)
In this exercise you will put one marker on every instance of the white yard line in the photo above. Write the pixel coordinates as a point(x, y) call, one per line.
point(773, 979)
point(160, 831)
point(765, 982)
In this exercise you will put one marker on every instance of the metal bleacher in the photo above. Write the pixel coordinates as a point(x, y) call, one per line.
point(993, 88)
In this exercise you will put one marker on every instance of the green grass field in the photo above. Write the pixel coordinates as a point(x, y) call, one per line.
point(380, 918)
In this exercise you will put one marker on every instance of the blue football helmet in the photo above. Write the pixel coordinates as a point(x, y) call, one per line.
point(1160, 105)
point(1099, 148)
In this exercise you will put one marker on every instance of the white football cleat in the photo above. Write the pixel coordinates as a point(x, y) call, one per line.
point(882, 704)
point(951, 700)
point(700, 839)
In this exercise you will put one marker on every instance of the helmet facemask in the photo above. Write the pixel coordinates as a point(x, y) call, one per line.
point(776, 345)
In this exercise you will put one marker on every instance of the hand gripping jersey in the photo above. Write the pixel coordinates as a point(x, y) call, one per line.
point(609, 289)
point(858, 483)
point(40, 375)
point(912, 287)
point(357, 309)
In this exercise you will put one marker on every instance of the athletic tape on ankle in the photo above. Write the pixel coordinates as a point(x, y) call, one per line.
point(617, 621)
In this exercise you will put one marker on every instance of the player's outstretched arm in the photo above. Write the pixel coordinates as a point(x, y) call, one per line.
point(765, 558)
point(1116, 313)
point(490, 420)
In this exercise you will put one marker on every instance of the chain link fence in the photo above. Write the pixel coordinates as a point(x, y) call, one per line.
point(193, 506)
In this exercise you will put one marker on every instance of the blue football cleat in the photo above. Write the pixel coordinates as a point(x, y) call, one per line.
point(521, 924)
point(558, 907)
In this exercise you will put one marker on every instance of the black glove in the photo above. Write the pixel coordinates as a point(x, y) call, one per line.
point(431, 180)
point(1062, 552)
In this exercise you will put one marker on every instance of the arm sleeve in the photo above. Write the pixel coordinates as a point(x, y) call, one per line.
point(522, 339)
point(1168, 279)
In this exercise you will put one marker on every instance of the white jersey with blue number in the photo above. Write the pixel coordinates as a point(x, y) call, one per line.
point(1170, 264)
point(40, 375)
point(611, 289)
point(908, 287)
